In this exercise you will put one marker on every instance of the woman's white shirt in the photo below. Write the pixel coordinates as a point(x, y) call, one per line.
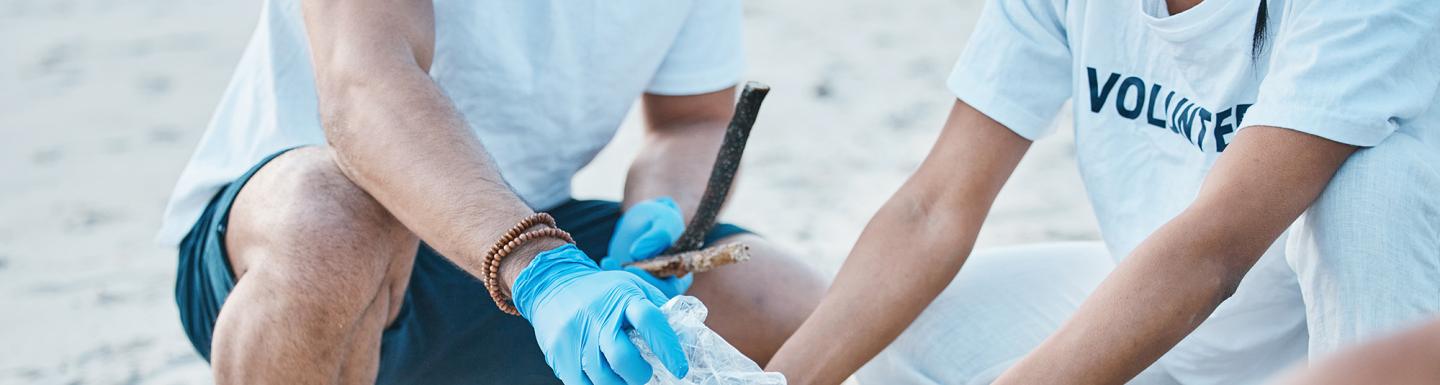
point(1158, 97)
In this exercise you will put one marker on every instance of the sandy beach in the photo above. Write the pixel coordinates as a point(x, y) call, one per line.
point(101, 104)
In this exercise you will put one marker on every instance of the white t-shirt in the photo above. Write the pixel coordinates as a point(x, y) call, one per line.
point(1158, 97)
point(543, 84)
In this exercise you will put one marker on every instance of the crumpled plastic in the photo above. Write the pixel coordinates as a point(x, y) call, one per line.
point(712, 360)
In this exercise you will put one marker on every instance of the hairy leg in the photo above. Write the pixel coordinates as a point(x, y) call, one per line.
point(758, 304)
point(320, 270)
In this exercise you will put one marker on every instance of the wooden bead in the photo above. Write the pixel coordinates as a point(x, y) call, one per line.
point(517, 236)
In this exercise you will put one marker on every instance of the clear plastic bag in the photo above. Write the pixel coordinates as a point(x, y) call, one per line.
point(712, 360)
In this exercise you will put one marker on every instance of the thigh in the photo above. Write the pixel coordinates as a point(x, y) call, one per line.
point(1367, 252)
point(318, 268)
point(1002, 304)
point(280, 212)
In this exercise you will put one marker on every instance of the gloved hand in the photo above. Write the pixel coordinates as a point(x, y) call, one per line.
point(645, 231)
point(580, 314)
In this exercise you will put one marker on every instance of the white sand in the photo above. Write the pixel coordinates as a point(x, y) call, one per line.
point(102, 102)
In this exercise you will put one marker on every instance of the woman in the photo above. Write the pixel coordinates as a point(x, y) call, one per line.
point(1204, 130)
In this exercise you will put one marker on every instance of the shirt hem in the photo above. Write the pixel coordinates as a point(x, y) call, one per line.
point(1335, 126)
point(1018, 120)
point(695, 83)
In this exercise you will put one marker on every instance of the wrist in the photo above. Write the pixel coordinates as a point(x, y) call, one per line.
point(521, 258)
point(803, 371)
point(547, 270)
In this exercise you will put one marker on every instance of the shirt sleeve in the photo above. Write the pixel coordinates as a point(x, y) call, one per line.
point(708, 54)
point(1016, 67)
point(1350, 71)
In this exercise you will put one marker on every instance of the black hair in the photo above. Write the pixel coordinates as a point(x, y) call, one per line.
point(1259, 41)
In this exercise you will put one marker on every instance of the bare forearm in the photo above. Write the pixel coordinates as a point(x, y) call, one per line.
point(675, 163)
point(1158, 295)
point(400, 140)
point(908, 253)
point(905, 257)
point(682, 138)
point(398, 137)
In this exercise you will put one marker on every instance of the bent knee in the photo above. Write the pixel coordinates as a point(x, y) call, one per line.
point(308, 180)
point(302, 214)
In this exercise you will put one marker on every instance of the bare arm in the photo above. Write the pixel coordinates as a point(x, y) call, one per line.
point(397, 136)
point(682, 136)
point(1175, 279)
point(908, 252)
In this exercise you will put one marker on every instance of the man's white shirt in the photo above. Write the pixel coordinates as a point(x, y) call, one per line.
point(544, 85)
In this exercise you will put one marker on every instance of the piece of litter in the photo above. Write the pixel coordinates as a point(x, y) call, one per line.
point(712, 360)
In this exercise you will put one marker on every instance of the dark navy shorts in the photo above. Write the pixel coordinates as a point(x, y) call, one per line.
point(448, 331)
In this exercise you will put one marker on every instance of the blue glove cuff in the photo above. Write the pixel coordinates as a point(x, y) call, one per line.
point(555, 266)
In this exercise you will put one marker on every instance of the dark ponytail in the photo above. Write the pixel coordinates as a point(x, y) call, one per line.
point(1260, 20)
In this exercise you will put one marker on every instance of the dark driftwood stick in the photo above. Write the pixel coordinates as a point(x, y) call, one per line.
point(726, 162)
point(673, 262)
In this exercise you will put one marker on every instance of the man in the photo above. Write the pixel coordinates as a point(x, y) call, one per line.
point(421, 132)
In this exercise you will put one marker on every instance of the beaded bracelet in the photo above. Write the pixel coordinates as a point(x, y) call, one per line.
point(513, 239)
point(520, 228)
point(491, 277)
point(492, 260)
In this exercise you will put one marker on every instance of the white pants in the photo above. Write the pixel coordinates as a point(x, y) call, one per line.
point(1362, 262)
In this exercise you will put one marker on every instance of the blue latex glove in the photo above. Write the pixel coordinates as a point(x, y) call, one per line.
point(580, 314)
point(645, 231)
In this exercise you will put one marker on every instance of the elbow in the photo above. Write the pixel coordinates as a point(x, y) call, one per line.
point(336, 89)
point(341, 120)
point(918, 205)
point(1228, 284)
point(1221, 252)
point(1229, 267)
point(341, 84)
point(936, 211)
point(1229, 270)
point(336, 122)
point(1225, 272)
point(351, 98)
point(345, 85)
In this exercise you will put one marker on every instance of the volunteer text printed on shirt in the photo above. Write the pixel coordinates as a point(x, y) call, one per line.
point(1135, 98)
